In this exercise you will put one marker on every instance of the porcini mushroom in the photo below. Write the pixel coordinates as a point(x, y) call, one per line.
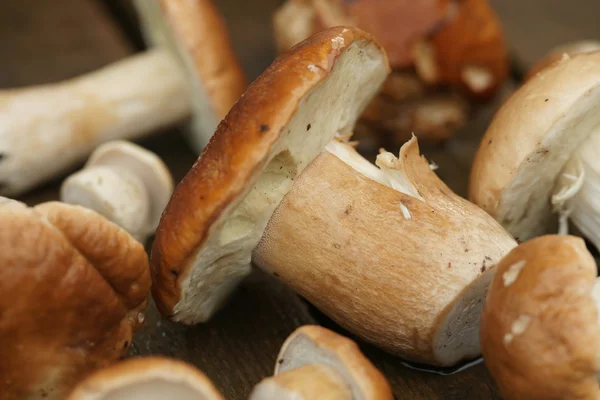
point(45, 130)
point(446, 56)
point(316, 363)
point(149, 378)
point(125, 183)
point(540, 327)
point(364, 236)
point(74, 289)
point(539, 156)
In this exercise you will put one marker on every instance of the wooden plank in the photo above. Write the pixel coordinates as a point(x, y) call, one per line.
point(535, 26)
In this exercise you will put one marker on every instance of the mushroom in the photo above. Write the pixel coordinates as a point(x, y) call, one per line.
point(446, 56)
point(540, 327)
point(151, 378)
point(558, 52)
point(45, 130)
point(124, 182)
point(316, 363)
point(74, 289)
point(539, 156)
point(312, 212)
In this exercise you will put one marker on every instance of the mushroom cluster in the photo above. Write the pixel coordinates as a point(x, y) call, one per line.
point(294, 198)
point(190, 71)
point(446, 56)
point(314, 362)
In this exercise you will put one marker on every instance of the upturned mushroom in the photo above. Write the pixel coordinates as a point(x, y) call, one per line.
point(383, 251)
point(540, 327)
point(446, 56)
point(538, 162)
point(191, 70)
point(149, 378)
point(124, 182)
point(316, 363)
point(74, 289)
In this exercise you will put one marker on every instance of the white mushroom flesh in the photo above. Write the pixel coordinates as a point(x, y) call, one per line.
point(45, 130)
point(577, 191)
point(116, 194)
point(152, 389)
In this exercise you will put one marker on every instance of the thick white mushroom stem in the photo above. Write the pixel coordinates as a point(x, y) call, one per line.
point(577, 191)
point(45, 130)
point(311, 381)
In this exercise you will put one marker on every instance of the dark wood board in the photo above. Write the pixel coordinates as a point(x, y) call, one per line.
point(48, 40)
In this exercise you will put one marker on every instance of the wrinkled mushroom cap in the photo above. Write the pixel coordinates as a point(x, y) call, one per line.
point(286, 118)
point(311, 344)
point(529, 141)
point(540, 331)
point(148, 378)
point(74, 287)
point(194, 32)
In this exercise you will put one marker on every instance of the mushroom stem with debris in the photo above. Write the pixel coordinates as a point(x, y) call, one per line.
point(537, 166)
point(316, 363)
point(125, 183)
point(290, 189)
point(540, 327)
point(148, 378)
point(47, 129)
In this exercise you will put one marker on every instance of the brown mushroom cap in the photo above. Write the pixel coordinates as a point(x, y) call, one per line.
point(285, 119)
point(530, 140)
point(313, 345)
point(197, 36)
point(540, 331)
point(390, 258)
point(74, 287)
point(148, 378)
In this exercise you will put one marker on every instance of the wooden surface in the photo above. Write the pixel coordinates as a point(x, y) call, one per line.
point(48, 40)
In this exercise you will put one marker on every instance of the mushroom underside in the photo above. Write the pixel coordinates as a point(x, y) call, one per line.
point(151, 389)
point(331, 107)
point(156, 30)
point(525, 208)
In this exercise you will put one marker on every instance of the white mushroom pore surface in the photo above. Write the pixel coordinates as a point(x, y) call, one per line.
point(126, 183)
point(46, 129)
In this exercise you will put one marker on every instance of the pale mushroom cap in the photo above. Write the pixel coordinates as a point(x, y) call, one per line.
point(74, 288)
point(529, 141)
point(540, 328)
point(144, 164)
point(555, 54)
point(196, 35)
point(219, 211)
point(148, 378)
point(311, 344)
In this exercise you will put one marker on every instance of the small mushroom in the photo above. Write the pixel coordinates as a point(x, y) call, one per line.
point(148, 378)
point(124, 182)
point(354, 239)
point(45, 130)
point(316, 363)
point(538, 162)
point(540, 327)
point(74, 289)
point(557, 53)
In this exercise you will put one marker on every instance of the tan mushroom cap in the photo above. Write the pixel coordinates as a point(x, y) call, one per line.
point(390, 258)
point(540, 331)
point(529, 141)
point(196, 34)
point(555, 54)
point(74, 288)
point(148, 378)
point(217, 214)
point(126, 183)
point(312, 350)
